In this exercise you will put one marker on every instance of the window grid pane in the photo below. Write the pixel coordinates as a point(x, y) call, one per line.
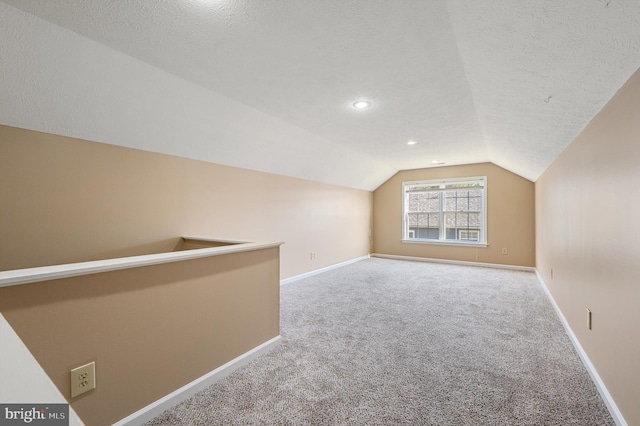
point(463, 212)
point(423, 218)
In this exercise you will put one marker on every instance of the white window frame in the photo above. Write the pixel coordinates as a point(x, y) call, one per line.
point(442, 186)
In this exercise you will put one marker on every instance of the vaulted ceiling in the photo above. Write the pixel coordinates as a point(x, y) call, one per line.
point(270, 85)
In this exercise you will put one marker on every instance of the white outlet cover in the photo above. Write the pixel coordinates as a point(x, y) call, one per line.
point(83, 379)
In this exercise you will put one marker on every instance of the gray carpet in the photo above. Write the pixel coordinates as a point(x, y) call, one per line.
point(385, 342)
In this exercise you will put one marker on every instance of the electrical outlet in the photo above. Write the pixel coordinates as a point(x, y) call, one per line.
point(505, 251)
point(83, 379)
point(313, 255)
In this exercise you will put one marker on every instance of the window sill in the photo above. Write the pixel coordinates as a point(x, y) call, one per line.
point(445, 243)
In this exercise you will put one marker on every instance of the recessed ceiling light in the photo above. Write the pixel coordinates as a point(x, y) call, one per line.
point(361, 104)
point(412, 143)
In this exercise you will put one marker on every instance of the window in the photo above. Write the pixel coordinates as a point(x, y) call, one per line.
point(445, 211)
point(469, 234)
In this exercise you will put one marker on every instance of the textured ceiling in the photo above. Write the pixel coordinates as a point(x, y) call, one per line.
point(268, 85)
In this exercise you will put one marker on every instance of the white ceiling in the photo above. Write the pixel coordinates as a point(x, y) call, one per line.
point(268, 84)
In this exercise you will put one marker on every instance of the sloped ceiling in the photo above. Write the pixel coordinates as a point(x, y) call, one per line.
point(269, 85)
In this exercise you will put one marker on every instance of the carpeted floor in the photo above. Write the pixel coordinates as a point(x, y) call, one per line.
point(385, 342)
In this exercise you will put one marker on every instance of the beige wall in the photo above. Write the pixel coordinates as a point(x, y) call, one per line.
point(69, 200)
point(588, 232)
point(510, 217)
point(150, 330)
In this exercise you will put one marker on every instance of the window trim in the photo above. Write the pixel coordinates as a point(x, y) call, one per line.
point(483, 242)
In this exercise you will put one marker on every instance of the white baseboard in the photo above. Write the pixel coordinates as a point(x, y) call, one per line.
point(455, 262)
point(155, 408)
point(602, 389)
point(320, 271)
